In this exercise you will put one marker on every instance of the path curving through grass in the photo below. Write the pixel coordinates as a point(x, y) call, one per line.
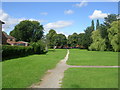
point(53, 77)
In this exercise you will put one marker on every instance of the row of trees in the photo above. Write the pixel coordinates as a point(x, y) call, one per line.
point(106, 36)
point(100, 37)
point(54, 39)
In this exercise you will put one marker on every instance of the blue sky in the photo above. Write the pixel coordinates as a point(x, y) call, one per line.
point(64, 17)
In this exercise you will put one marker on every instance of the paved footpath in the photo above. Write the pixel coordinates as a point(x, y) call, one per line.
point(96, 66)
point(54, 77)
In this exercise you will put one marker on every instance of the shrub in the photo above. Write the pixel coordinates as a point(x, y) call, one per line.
point(9, 52)
point(38, 47)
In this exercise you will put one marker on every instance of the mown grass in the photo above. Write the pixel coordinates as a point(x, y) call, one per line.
point(0, 75)
point(84, 57)
point(91, 78)
point(25, 71)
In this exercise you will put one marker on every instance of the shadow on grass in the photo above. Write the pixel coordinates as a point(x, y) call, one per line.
point(52, 50)
point(20, 56)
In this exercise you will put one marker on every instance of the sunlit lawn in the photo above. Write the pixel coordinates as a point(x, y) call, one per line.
point(100, 58)
point(25, 71)
point(91, 78)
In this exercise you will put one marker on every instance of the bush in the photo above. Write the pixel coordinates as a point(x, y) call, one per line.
point(38, 47)
point(9, 52)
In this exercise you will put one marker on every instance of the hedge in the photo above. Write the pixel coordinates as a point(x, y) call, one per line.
point(9, 52)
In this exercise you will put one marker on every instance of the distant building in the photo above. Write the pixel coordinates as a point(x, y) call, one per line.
point(10, 40)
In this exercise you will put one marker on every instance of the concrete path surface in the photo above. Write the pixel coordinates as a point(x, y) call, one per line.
point(96, 66)
point(53, 77)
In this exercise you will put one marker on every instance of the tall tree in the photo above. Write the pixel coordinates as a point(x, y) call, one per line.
point(29, 31)
point(97, 24)
point(87, 37)
point(92, 25)
point(81, 39)
point(50, 38)
point(109, 19)
point(98, 42)
point(114, 35)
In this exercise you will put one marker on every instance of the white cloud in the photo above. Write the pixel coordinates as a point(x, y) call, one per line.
point(82, 32)
point(44, 13)
point(68, 11)
point(81, 4)
point(10, 22)
point(57, 25)
point(62, 33)
point(98, 14)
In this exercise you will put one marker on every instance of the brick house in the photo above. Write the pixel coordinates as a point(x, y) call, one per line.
point(6, 39)
point(10, 40)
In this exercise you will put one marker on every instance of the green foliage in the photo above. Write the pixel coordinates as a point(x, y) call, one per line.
point(87, 37)
point(106, 37)
point(97, 24)
point(113, 34)
point(50, 38)
point(60, 40)
point(28, 31)
point(81, 39)
point(73, 40)
point(38, 47)
point(98, 42)
point(92, 25)
point(110, 18)
point(15, 51)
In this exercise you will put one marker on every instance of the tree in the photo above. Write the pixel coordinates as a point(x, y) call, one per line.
point(50, 38)
point(92, 25)
point(109, 19)
point(97, 24)
point(29, 31)
point(60, 40)
point(104, 34)
point(87, 37)
point(98, 42)
point(113, 35)
point(73, 40)
point(81, 39)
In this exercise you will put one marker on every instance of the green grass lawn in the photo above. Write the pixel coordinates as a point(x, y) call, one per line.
point(0, 76)
point(91, 78)
point(84, 57)
point(25, 71)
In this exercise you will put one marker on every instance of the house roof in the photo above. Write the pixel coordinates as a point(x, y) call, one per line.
point(7, 36)
point(19, 42)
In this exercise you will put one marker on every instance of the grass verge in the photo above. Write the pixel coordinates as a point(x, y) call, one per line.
point(91, 78)
point(23, 72)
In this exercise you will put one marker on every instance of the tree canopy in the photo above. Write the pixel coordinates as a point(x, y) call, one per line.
point(113, 35)
point(29, 31)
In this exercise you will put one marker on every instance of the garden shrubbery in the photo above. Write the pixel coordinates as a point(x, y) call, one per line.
point(38, 47)
point(9, 52)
